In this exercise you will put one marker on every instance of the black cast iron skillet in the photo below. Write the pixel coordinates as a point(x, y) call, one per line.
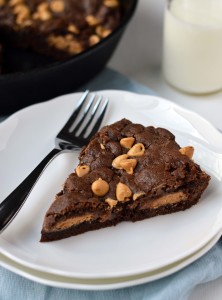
point(33, 78)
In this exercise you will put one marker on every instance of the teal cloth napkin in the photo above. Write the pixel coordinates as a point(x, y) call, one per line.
point(177, 286)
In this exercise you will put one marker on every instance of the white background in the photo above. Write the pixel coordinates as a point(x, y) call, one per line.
point(142, 62)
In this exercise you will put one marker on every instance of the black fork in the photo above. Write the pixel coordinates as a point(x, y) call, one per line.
point(78, 130)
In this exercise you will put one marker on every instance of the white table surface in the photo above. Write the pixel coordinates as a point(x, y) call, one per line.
point(142, 62)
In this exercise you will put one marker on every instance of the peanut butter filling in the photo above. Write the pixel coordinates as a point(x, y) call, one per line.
point(164, 200)
point(74, 221)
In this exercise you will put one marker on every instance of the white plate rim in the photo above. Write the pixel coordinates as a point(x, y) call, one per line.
point(99, 285)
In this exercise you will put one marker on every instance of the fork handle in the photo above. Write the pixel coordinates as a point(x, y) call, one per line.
point(13, 203)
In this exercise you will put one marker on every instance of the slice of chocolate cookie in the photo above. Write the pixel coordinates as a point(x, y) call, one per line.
point(127, 172)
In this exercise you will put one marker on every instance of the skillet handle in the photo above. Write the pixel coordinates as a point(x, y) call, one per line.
point(13, 203)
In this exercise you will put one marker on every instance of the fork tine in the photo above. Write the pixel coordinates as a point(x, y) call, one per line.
point(76, 111)
point(99, 120)
point(91, 119)
point(92, 115)
point(73, 129)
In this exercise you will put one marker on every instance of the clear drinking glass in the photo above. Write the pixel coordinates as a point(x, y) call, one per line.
point(192, 48)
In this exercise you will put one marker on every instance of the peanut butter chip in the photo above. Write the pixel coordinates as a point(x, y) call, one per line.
point(82, 170)
point(127, 142)
point(43, 12)
point(100, 187)
point(128, 165)
point(91, 20)
point(117, 160)
point(111, 3)
point(57, 6)
point(188, 151)
point(94, 39)
point(74, 47)
point(137, 195)
point(72, 28)
point(42, 7)
point(123, 192)
point(111, 202)
point(21, 9)
point(58, 41)
point(123, 162)
point(102, 31)
point(45, 15)
point(137, 150)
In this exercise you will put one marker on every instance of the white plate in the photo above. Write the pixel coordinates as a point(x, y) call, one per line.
point(102, 284)
point(129, 248)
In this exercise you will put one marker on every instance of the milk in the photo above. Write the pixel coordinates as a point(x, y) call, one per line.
point(192, 56)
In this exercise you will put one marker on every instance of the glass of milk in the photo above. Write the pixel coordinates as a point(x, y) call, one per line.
point(192, 55)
